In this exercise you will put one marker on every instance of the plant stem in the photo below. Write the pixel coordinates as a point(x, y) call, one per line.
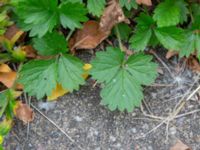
point(119, 38)
point(69, 34)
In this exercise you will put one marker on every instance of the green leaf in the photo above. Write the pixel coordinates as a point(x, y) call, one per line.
point(50, 44)
point(39, 77)
point(122, 93)
point(5, 127)
point(170, 37)
point(70, 72)
point(140, 39)
point(170, 13)
point(122, 78)
point(197, 45)
point(192, 43)
point(39, 16)
point(107, 64)
point(124, 31)
point(142, 69)
point(71, 14)
point(72, 1)
point(96, 7)
point(128, 4)
point(143, 32)
point(4, 98)
point(195, 10)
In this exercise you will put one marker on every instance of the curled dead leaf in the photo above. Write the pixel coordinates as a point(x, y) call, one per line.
point(180, 146)
point(13, 33)
point(112, 15)
point(23, 112)
point(7, 76)
point(30, 51)
point(193, 63)
point(145, 2)
point(88, 37)
point(170, 54)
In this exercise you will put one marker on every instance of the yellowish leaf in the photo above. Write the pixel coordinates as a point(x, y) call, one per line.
point(57, 92)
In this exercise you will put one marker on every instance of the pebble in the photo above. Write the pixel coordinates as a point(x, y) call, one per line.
point(134, 130)
point(78, 119)
point(112, 138)
point(46, 105)
point(172, 130)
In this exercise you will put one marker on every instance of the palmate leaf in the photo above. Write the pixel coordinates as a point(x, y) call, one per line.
point(122, 78)
point(170, 13)
point(143, 32)
point(128, 4)
point(70, 72)
point(192, 43)
point(38, 16)
point(40, 77)
point(4, 98)
point(41, 16)
point(96, 7)
point(170, 37)
point(50, 44)
point(71, 14)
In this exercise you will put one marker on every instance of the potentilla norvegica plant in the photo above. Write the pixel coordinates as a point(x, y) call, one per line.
point(56, 29)
point(172, 24)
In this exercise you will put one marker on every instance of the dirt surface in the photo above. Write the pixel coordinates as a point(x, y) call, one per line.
point(92, 126)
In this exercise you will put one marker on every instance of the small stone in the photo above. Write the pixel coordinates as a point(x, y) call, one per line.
point(172, 130)
point(134, 130)
point(78, 119)
point(112, 138)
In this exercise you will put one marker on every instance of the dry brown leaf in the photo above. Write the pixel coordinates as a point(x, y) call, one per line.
point(7, 76)
point(145, 2)
point(171, 54)
point(13, 33)
point(5, 68)
point(112, 15)
point(30, 51)
point(193, 63)
point(180, 146)
point(23, 112)
point(88, 37)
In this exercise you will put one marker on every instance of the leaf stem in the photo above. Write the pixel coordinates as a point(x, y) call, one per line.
point(69, 34)
point(119, 38)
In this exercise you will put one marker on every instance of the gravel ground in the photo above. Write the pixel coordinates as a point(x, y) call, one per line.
point(92, 126)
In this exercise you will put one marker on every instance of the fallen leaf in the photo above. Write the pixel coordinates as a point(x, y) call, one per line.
point(145, 2)
point(57, 92)
point(7, 76)
point(5, 68)
point(86, 68)
point(193, 63)
point(170, 54)
point(23, 112)
point(112, 15)
point(88, 37)
point(180, 146)
point(30, 51)
point(13, 33)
